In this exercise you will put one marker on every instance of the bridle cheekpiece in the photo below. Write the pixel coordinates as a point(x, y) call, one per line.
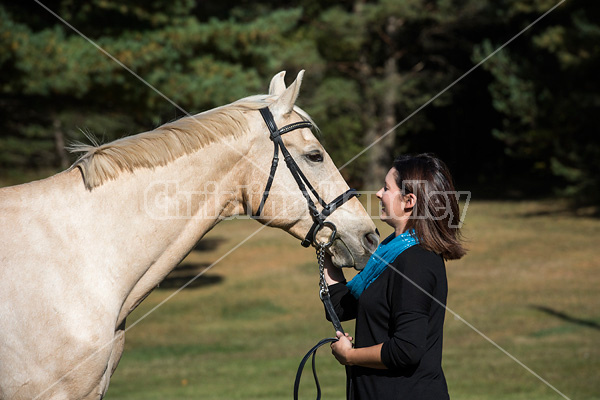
point(303, 183)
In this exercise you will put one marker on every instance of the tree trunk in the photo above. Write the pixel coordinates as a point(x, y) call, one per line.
point(380, 125)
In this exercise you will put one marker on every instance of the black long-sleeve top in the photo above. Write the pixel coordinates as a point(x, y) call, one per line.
point(398, 309)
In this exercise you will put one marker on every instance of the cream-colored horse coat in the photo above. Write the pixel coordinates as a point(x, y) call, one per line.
point(80, 250)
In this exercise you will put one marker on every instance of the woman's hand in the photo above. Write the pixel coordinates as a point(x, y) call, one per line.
point(342, 349)
point(365, 357)
point(333, 274)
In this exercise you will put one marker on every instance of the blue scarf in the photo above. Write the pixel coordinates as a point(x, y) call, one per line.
point(385, 254)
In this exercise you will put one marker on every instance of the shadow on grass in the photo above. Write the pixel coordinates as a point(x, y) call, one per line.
point(566, 317)
point(566, 210)
point(191, 276)
point(209, 244)
point(545, 190)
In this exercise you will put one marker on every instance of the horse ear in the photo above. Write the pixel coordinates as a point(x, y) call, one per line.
point(285, 103)
point(277, 86)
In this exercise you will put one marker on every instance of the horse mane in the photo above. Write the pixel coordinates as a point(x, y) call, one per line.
point(105, 162)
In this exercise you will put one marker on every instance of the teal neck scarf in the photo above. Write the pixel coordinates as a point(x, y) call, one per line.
point(385, 254)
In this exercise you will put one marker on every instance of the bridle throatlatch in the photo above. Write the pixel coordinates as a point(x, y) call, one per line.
point(303, 183)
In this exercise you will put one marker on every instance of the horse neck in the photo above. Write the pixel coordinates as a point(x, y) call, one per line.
point(149, 220)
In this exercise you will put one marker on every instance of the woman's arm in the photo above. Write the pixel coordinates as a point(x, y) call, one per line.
point(342, 349)
point(413, 284)
point(343, 302)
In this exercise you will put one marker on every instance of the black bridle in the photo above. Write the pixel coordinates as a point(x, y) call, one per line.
point(303, 183)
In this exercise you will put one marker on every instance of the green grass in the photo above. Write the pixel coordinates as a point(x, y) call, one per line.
point(529, 283)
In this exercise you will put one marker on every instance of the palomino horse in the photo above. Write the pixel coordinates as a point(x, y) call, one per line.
point(81, 249)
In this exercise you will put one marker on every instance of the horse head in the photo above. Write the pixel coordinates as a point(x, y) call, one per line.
point(286, 199)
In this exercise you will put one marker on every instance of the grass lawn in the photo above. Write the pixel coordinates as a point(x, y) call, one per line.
point(529, 284)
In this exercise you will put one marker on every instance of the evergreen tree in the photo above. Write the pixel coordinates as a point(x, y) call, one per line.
point(382, 61)
point(56, 82)
point(370, 64)
point(545, 90)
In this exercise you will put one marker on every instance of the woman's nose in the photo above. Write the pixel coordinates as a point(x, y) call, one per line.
point(379, 193)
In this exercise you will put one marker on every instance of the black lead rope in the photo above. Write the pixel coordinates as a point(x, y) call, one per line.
point(312, 352)
point(335, 321)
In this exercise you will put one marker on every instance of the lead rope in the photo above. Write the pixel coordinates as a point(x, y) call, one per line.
point(326, 299)
point(324, 290)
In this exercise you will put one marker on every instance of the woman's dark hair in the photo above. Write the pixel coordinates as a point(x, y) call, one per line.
point(435, 217)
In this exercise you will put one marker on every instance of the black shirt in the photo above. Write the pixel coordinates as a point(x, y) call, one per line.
point(398, 310)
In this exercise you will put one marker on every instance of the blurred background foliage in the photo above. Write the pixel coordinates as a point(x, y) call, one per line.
point(523, 124)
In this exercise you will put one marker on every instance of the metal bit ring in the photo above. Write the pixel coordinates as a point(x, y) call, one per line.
point(327, 244)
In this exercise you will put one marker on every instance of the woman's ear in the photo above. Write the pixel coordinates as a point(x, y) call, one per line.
point(410, 201)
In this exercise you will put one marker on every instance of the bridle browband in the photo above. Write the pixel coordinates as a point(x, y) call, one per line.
point(303, 183)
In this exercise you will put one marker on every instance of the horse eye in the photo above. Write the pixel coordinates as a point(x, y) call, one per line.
point(314, 157)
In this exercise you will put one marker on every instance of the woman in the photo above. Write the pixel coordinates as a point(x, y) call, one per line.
point(399, 299)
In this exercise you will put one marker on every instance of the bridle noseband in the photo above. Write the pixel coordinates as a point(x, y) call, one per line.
point(303, 183)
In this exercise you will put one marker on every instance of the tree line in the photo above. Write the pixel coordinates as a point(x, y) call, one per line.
point(524, 122)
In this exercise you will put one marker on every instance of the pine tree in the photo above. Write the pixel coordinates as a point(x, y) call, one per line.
point(545, 90)
point(58, 83)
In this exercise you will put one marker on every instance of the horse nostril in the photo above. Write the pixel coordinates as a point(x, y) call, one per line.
point(371, 241)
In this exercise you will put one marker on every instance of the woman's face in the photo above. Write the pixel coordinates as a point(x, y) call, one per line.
point(393, 204)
